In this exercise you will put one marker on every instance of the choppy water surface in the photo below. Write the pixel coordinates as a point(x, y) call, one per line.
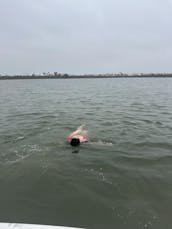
point(123, 179)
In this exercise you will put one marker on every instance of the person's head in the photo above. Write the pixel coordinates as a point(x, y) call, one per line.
point(75, 142)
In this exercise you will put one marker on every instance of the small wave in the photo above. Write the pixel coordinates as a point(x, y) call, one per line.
point(25, 114)
point(19, 138)
point(12, 157)
point(107, 123)
point(49, 116)
point(101, 143)
point(19, 155)
point(162, 145)
point(12, 139)
point(165, 113)
point(146, 145)
point(99, 174)
point(153, 162)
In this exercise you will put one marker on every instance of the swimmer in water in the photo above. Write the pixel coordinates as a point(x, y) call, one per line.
point(77, 137)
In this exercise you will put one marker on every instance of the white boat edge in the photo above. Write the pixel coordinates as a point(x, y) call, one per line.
point(32, 226)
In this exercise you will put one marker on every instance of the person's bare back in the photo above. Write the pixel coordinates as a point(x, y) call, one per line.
point(78, 136)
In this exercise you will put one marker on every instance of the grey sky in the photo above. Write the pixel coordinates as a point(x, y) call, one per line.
point(91, 36)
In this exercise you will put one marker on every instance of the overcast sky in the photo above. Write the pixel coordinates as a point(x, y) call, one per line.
point(85, 36)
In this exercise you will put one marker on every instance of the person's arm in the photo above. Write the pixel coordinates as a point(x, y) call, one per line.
point(74, 133)
point(84, 134)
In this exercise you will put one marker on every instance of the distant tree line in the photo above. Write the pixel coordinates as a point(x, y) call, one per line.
point(56, 75)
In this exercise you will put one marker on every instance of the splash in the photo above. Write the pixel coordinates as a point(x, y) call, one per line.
point(102, 143)
point(81, 128)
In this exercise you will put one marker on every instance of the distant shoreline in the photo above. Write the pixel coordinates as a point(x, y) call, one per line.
point(66, 76)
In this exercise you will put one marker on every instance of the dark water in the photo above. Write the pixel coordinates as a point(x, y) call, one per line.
point(123, 179)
